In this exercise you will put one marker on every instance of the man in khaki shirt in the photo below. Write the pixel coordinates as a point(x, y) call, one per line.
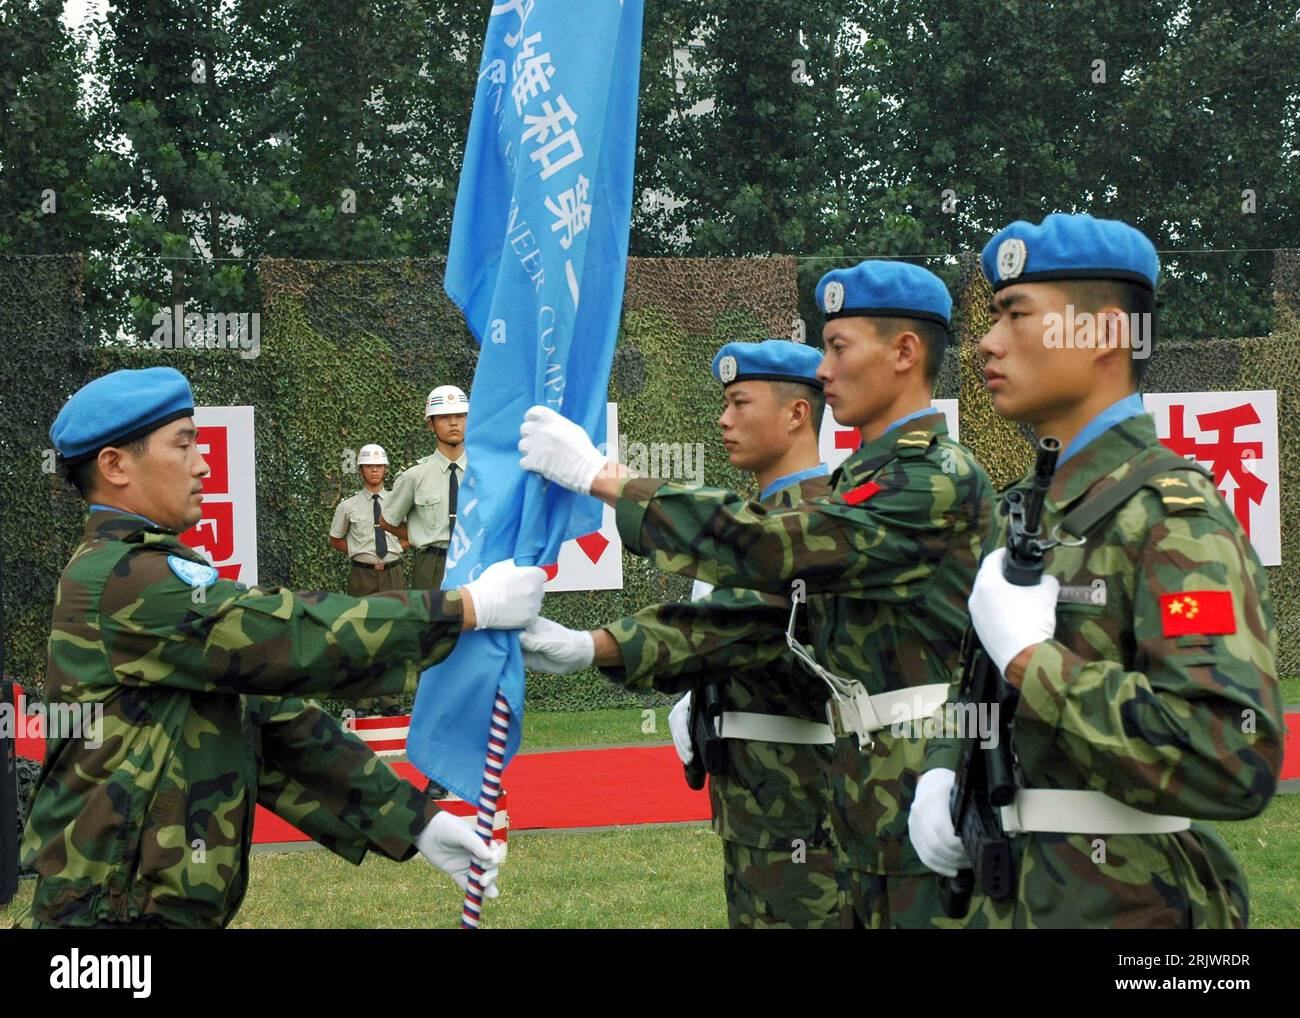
point(356, 531)
point(376, 557)
point(422, 506)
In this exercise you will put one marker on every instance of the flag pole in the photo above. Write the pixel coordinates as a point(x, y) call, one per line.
point(487, 807)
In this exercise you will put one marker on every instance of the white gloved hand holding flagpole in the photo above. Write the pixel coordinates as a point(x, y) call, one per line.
point(451, 845)
point(559, 450)
point(506, 596)
point(555, 649)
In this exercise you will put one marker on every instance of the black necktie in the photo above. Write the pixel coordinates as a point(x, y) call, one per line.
point(453, 489)
point(381, 539)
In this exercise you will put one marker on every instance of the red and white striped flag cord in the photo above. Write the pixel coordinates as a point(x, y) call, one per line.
point(487, 807)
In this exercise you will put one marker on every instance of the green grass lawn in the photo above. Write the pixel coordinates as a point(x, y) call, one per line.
point(614, 727)
point(1268, 847)
point(1291, 691)
point(664, 877)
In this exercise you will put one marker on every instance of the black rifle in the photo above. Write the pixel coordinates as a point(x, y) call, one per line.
point(986, 777)
point(706, 744)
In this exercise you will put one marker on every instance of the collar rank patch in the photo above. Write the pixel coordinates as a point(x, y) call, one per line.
point(1197, 612)
point(858, 495)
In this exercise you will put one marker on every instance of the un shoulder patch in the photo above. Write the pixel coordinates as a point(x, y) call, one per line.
point(192, 574)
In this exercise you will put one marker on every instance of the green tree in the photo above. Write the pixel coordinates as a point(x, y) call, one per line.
point(758, 138)
point(368, 105)
point(45, 202)
point(162, 110)
point(308, 130)
point(1161, 114)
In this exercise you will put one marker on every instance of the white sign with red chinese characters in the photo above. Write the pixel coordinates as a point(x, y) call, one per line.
point(1234, 436)
point(227, 533)
point(593, 561)
point(837, 443)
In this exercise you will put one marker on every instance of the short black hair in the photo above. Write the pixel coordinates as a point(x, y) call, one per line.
point(934, 337)
point(788, 392)
point(84, 474)
point(1133, 298)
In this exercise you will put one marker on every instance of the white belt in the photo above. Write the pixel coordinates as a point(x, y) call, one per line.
point(860, 713)
point(850, 709)
point(774, 728)
point(1067, 811)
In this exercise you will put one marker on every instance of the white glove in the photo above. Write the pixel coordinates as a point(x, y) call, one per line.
point(929, 824)
point(451, 845)
point(555, 649)
point(1009, 618)
point(679, 723)
point(559, 450)
point(506, 596)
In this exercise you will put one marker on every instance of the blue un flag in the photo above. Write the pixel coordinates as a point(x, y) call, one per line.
point(537, 263)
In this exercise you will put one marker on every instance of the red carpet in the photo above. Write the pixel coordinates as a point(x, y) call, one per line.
point(595, 787)
point(1291, 755)
point(573, 788)
point(269, 829)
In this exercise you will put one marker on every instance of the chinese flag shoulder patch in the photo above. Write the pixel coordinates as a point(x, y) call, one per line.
point(858, 495)
point(1197, 612)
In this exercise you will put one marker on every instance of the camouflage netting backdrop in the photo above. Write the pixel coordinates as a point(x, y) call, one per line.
point(348, 353)
point(349, 350)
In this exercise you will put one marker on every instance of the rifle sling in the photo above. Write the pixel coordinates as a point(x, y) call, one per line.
point(1081, 520)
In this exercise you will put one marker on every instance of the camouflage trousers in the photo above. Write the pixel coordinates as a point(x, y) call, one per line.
point(769, 889)
point(886, 901)
point(363, 582)
point(1188, 880)
point(27, 921)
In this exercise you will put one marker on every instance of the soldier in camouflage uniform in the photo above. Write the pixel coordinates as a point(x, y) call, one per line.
point(887, 560)
point(1144, 660)
point(771, 800)
point(147, 819)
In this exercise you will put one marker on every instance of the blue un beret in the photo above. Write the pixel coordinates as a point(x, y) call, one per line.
point(1069, 247)
point(880, 289)
point(119, 408)
point(773, 360)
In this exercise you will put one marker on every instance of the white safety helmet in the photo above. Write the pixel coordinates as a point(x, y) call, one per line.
point(446, 399)
point(371, 454)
